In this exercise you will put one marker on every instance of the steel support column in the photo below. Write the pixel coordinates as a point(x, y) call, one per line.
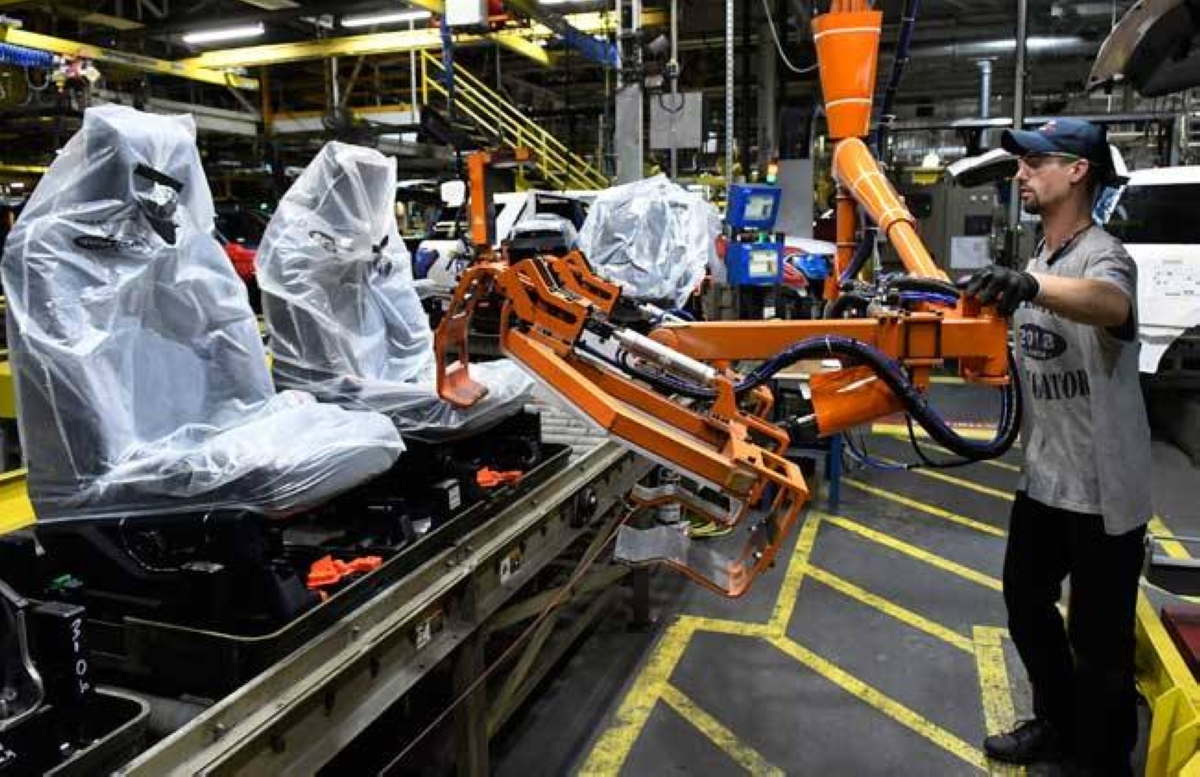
point(628, 141)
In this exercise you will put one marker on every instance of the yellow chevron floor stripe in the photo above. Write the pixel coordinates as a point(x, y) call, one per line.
point(900, 546)
point(933, 510)
point(880, 701)
point(745, 756)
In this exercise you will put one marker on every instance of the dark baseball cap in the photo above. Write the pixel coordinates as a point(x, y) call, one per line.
point(1064, 136)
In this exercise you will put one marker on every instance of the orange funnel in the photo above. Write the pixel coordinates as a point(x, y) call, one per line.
point(856, 169)
point(847, 52)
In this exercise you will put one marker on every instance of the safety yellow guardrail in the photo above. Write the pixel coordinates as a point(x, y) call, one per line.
point(1173, 694)
point(15, 510)
point(558, 164)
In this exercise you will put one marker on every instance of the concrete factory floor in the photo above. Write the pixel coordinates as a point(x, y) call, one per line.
point(878, 645)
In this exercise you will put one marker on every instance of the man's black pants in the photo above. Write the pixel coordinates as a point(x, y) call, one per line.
point(1082, 675)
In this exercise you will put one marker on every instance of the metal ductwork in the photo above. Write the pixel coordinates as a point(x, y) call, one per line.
point(1037, 47)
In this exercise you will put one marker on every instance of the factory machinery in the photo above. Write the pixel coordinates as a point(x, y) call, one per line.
point(420, 602)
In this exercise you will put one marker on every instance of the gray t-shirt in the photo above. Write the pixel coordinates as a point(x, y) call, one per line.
point(1084, 429)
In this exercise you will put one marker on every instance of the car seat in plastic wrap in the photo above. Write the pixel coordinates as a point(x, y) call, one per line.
point(344, 318)
point(652, 237)
point(141, 380)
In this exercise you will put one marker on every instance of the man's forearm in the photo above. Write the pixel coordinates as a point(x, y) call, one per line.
point(1085, 300)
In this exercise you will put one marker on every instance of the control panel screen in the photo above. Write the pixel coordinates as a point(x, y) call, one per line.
point(764, 263)
point(758, 207)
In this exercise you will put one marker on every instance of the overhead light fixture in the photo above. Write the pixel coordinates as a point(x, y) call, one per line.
point(391, 17)
point(225, 33)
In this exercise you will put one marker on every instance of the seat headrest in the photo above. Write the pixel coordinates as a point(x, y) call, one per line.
point(353, 190)
point(126, 155)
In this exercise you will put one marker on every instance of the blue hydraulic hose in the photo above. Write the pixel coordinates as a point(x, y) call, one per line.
point(23, 57)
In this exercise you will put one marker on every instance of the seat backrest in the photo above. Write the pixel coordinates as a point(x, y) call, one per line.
point(126, 322)
point(336, 279)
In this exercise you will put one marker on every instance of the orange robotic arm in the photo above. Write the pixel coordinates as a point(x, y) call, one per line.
point(672, 395)
point(703, 421)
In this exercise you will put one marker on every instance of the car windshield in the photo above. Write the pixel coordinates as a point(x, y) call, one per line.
point(241, 226)
point(1157, 214)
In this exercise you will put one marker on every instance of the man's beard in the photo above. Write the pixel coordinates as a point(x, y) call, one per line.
point(1031, 206)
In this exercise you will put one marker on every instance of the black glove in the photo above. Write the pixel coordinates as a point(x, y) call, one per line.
point(1005, 287)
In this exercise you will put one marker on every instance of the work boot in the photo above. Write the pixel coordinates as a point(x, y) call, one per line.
point(1033, 740)
point(1050, 769)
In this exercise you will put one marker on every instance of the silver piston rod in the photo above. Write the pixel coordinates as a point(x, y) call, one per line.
point(665, 358)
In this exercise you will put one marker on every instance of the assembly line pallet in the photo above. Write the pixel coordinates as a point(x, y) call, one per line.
point(299, 714)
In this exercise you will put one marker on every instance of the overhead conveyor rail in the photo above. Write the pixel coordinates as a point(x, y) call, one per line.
point(69, 48)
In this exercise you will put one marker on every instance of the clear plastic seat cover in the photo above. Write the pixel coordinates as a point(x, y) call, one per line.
point(653, 237)
point(344, 316)
point(141, 379)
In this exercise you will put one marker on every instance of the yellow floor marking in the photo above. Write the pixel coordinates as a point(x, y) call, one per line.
point(1171, 547)
point(745, 756)
point(960, 482)
point(781, 616)
point(967, 432)
point(934, 560)
point(994, 690)
point(880, 701)
point(902, 614)
point(736, 628)
point(927, 443)
point(938, 512)
point(652, 685)
point(613, 748)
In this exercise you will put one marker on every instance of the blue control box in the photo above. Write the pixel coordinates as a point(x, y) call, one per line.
point(753, 206)
point(754, 264)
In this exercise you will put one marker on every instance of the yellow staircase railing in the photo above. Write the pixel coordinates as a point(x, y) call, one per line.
point(562, 168)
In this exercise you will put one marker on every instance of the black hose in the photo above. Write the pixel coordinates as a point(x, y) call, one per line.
point(930, 285)
point(915, 403)
point(913, 400)
point(861, 253)
point(899, 61)
point(845, 301)
point(1012, 394)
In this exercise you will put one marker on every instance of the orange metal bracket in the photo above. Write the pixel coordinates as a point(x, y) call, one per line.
point(726, 446)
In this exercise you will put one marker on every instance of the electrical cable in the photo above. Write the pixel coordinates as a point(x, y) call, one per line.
point(908, 18)
point(779, 47)
point(859, 453)
point(584, 565)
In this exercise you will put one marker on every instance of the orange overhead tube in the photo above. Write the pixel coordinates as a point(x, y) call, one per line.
point(847, 43)
point(856, 169)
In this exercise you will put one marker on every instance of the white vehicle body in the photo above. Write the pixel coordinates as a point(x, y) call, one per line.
point(511, 207)
point(1157, 216)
